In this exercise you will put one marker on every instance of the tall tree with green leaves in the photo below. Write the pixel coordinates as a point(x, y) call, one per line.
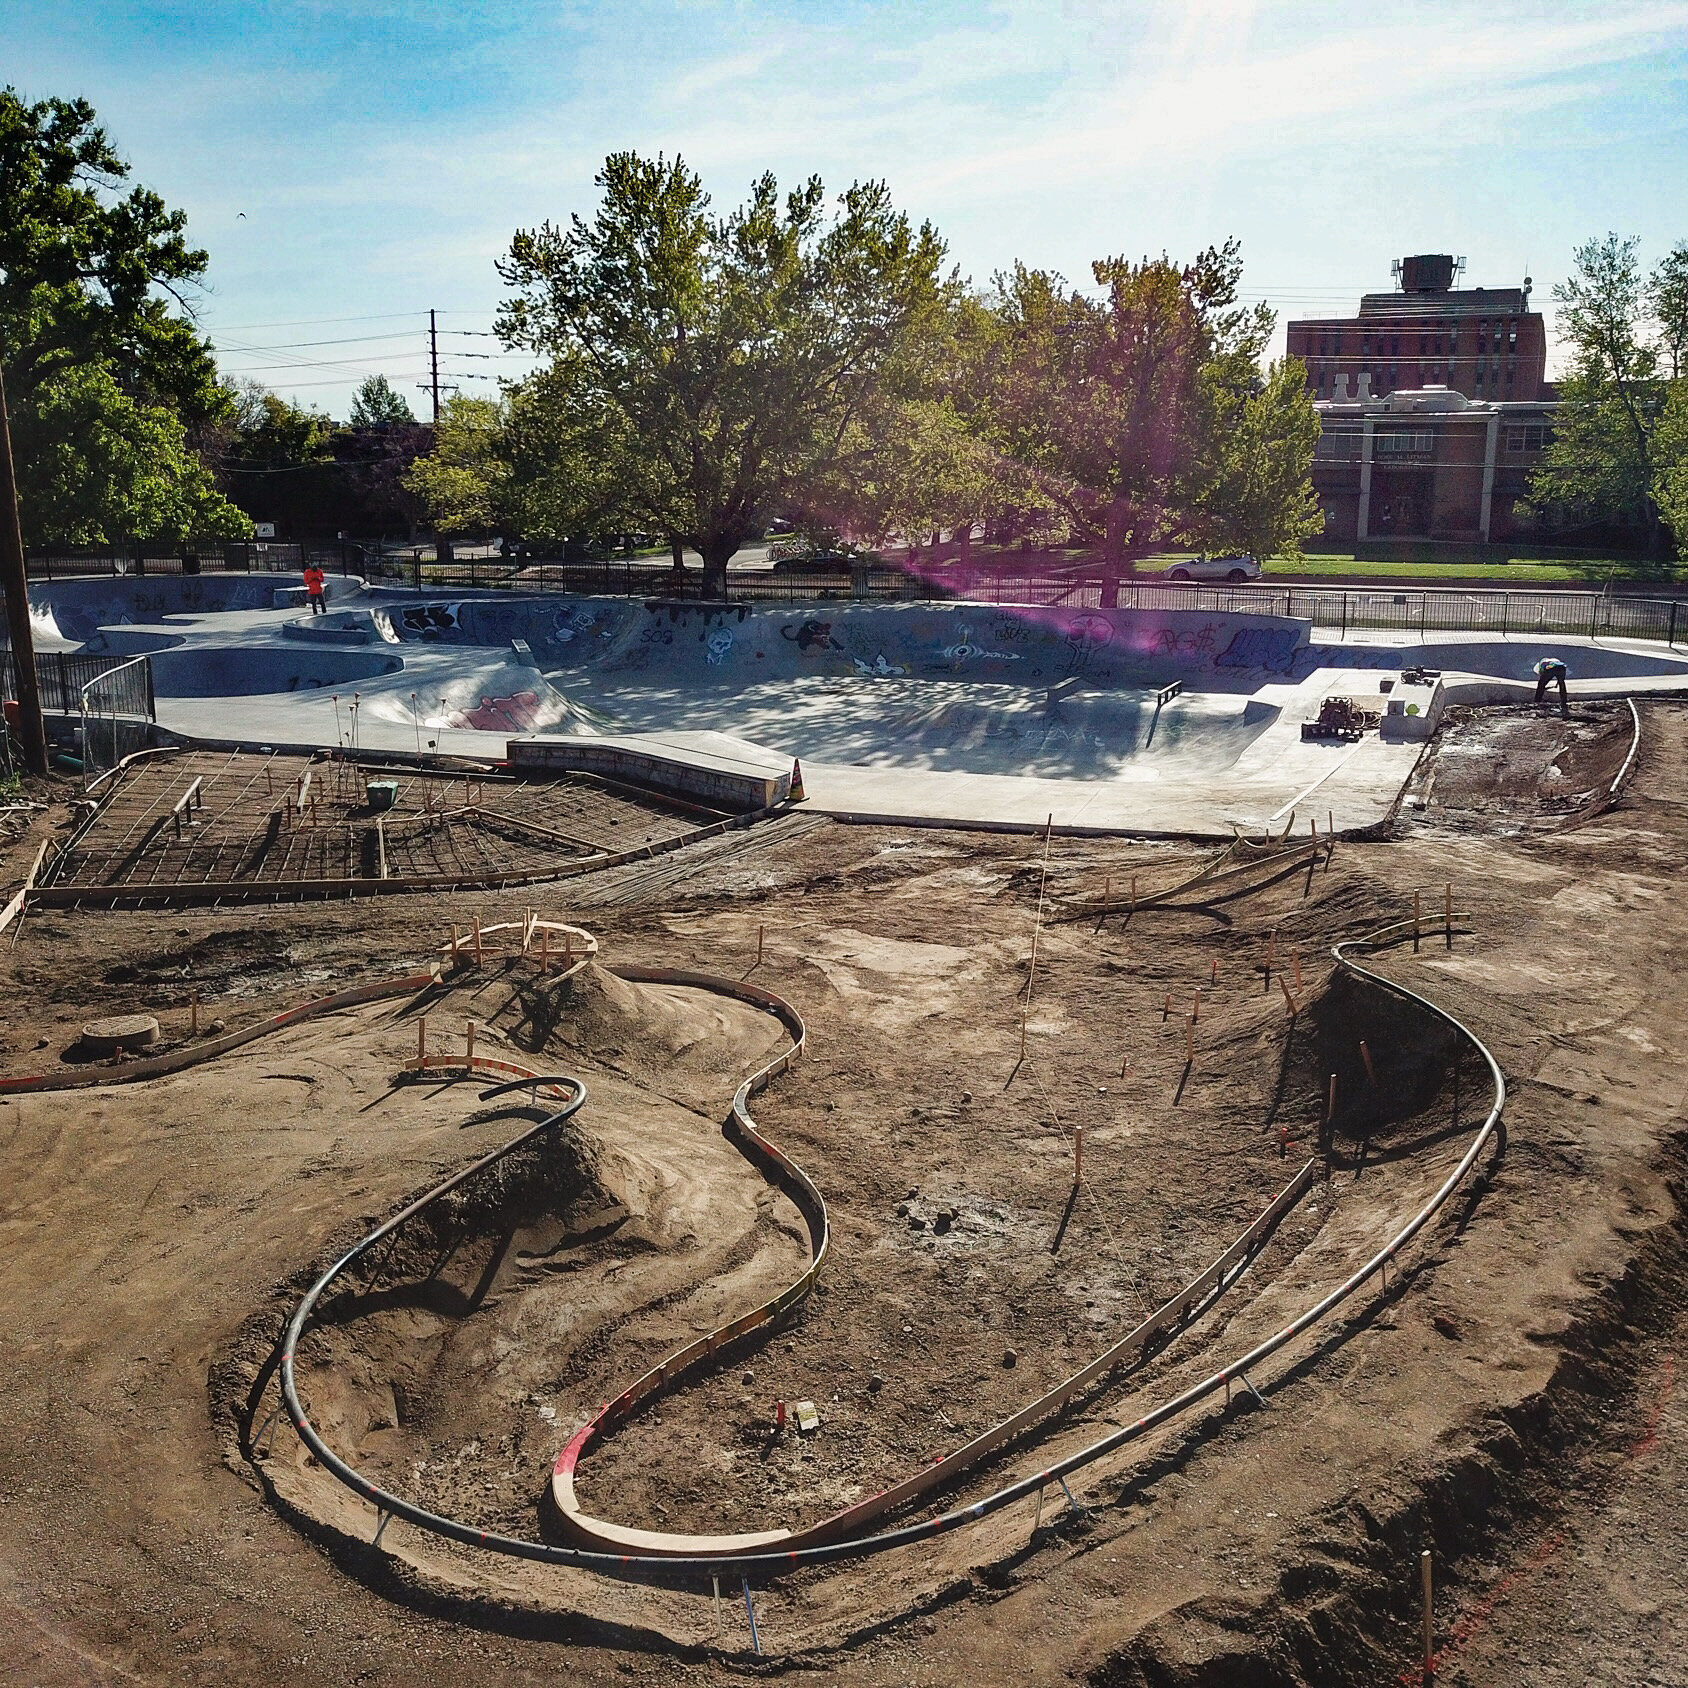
point(376, 405)
point(96, 338)
point(1625, 334)
point(1142, 414)
point(462, 482)
point(704, 371)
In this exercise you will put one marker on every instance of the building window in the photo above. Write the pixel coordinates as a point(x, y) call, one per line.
point(1404, 442)
point(1533, 436)
point(1394, 345)
point(1423, 344)
point(1365, 346)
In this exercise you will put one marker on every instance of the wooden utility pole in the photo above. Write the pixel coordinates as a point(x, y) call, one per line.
point(32, 730)
point(434, 364)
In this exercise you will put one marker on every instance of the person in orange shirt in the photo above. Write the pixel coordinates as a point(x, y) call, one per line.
point(316, 589)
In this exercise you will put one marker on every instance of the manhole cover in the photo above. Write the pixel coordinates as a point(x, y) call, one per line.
point(122, 1031)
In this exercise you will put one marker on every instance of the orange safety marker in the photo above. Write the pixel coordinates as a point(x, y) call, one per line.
point(796, 793)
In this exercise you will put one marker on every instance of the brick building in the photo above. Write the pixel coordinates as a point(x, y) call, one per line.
point(1484, 342)
point(1435, 407)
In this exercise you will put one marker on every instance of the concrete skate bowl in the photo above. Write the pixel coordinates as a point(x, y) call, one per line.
point(421, 1371)
point(1069, 694)
point(259, 670)
point(72, 612)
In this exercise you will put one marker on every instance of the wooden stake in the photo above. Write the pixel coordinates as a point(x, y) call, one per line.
point(1371, 1071)
point(1078, 1155)
point(477, 940)
point(1448, 916)
point(1166, 1012)
point(422, 1041)
point(193, 1015)
point(1330, 1103)
point(1289, 1001)
point(1295, 961)
point(1213, 978)
point(1107, 891)
point(761, 932)
point(1189, 1043)
point(469, 1043)
point(1425, 1580)
point(1134, 893)
point(1196, 1007)
point(545, 946)
point(1417, 920)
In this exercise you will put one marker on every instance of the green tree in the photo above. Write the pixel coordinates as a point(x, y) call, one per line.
point(1603, 464)
point(1254, 483)
point(97, 466)
point(1667, 297)
point(376, 405)
point(93, 279)
point(704, 371)
point(1126, 409)
point(462, 482)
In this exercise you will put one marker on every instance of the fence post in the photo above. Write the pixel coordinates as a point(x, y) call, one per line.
point(1594, 619)
point(1671, 641)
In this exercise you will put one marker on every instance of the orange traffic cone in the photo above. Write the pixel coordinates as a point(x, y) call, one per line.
point(796, 793)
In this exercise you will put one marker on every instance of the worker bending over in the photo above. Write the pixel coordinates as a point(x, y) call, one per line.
point(1551, 671)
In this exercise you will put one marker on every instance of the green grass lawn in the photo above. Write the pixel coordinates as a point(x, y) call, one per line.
point(1520, 571)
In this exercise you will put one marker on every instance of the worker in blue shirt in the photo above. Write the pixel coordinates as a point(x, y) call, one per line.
point(1551, 671)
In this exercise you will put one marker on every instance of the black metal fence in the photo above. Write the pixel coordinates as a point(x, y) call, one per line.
point(62, 675)
point(1423, 609)
point(154, 557)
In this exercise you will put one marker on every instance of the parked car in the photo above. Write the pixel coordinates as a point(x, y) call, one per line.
point(1236, 568)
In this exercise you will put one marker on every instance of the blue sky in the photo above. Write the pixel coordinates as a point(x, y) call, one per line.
point(349, 166)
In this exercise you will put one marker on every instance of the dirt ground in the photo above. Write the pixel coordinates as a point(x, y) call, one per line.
point(1511, 1402)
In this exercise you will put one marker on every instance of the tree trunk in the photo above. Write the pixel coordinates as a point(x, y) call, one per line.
point(716, 554)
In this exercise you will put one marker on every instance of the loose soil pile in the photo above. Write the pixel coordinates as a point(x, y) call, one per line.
point(157, 1235)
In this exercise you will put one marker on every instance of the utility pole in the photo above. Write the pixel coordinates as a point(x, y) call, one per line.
point(32, 730)
point(434, 363)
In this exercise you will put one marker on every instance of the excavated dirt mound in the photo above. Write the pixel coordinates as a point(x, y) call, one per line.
point(451, 1362)
point(1519, 769)
point(1511, 1402)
